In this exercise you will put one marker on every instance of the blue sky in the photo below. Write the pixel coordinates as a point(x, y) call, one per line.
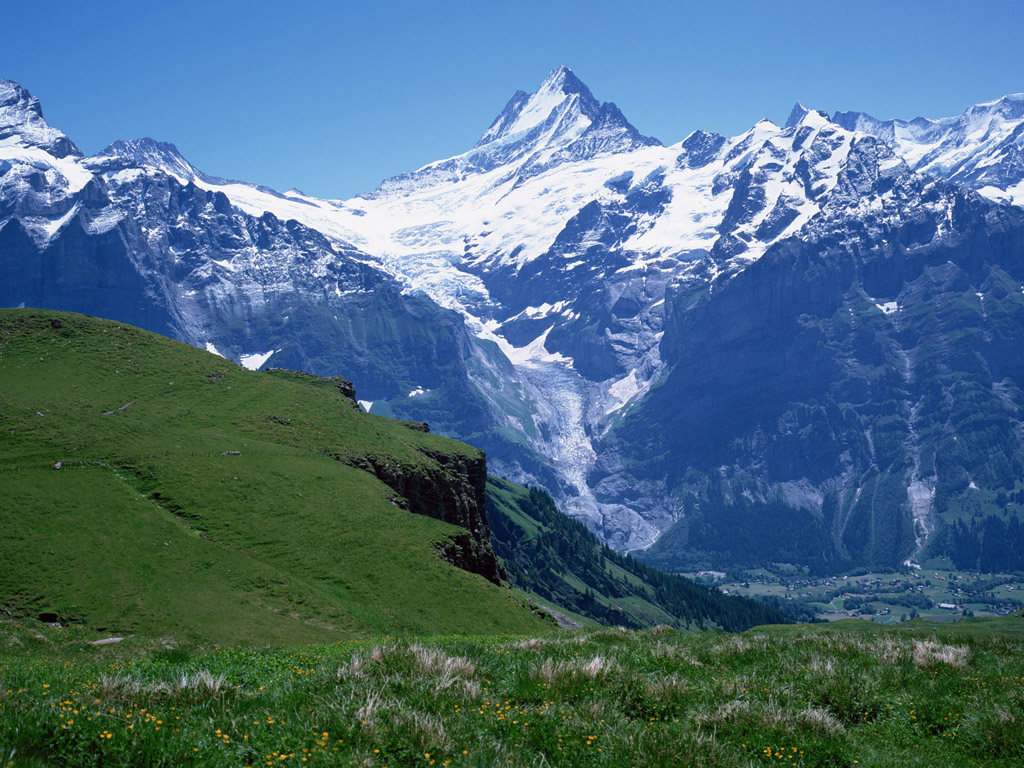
point(333, 97)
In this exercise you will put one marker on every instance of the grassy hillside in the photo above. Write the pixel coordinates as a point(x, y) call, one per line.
point(830, 696)
point(151, 487)
point(559, 560)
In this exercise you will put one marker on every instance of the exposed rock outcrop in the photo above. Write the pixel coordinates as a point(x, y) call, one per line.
point(454, 491)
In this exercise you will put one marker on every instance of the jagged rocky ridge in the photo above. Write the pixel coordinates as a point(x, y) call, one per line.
point(983, 148)
point(695, 341)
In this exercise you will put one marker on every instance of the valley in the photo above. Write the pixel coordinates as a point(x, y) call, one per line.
point(795, 344)
point(933, 592)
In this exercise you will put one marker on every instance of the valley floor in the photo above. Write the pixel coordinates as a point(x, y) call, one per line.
point(935, 591)
point(840, 694)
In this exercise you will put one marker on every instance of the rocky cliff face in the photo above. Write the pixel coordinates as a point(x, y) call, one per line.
point(455, 491)
point(832, 403)
point(440, 480)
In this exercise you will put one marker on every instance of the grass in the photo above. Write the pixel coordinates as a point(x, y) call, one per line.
point(153, 488)
point(844, 694)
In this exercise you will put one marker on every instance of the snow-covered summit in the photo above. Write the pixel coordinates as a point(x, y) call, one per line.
point(561, 98)
point(524, 110)
point(560, 123)
point(22, 123)
point(41, 170)
point(802, 115)
point(146, 153)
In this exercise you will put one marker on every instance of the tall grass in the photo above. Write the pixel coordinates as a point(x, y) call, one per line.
point(801, 697)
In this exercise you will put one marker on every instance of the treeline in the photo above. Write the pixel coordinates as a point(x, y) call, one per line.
point(988, 544)
point(729, 529)
point(559, 559)
point(725, 532)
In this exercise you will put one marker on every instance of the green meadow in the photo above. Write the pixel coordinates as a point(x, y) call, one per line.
point(151, 487)
point(845, 694)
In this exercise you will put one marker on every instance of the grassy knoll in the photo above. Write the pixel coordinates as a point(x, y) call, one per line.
point(843, 694)
point(150, 487)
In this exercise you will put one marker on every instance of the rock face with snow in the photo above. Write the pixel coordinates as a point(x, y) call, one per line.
point(983, 148)
point(794, 344)
point(22, 125)
point(562, 122)
point(829, 401)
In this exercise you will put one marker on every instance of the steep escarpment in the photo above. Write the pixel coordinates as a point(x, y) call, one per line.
point(453, 490)
point(446, 485)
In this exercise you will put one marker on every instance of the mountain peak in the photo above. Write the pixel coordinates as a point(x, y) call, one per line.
point(564, 79)
point(21, 116)
point(560, 112)
point(146, 153)
point(796, 114)
point(16, 99)
point(979, 148)
point(1010, 107)
point(801, 114)
point(524, 111)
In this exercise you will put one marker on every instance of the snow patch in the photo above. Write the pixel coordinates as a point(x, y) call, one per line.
point(51, 228)
point(255, 361)
point(889, 307)
point(921, 497)
point(105, 220)
point(213, 349)
point(366, 404)
point(69, 170)
point(623, 390)
point(532, 354)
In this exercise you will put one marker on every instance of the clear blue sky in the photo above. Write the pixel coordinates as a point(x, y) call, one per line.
point(332, 97)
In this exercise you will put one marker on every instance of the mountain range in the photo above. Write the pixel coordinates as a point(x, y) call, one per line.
point(797, 344)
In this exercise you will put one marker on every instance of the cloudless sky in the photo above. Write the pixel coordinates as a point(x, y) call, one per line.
point(332, 97)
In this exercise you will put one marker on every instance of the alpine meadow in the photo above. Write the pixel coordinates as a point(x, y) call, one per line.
point(571, 448)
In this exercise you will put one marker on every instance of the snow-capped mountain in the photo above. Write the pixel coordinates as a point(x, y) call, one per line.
point(557, 236)
point(562, 122)
point(687, 340)
point(983, 148)
point(22, 125)
point(129, 235)
point(567, 269)
point(571, 260)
